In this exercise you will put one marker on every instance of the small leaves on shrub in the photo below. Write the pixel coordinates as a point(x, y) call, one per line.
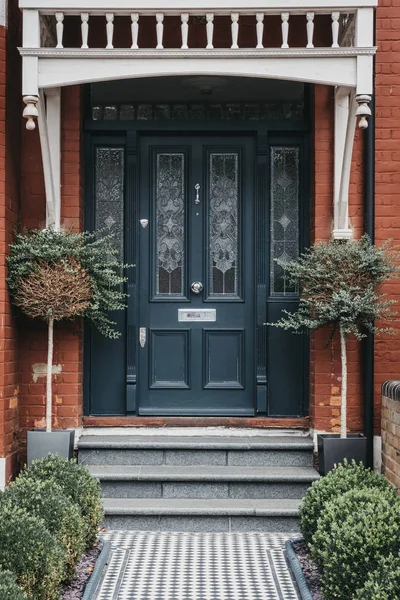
point(62, 517)
point(9, 589)
point(339, 285)
point(89, 260)
point(77, 484)
point(384, 582)
point(353, 534)
point(29, 550)
point(343, 478)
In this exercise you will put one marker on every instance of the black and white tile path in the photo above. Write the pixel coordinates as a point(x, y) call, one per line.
point(196, 566)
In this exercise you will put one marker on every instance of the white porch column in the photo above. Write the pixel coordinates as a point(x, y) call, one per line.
point(345, 125)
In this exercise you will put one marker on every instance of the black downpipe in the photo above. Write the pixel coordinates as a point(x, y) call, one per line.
point(369, 228)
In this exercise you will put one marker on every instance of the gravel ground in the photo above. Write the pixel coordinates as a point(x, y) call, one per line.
point(310, 570)
point(75, 588)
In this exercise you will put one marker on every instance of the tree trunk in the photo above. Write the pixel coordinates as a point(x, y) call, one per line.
point(343, 412)
point(49, 394)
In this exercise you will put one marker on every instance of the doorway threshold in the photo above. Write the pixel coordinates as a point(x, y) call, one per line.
point(198, 425)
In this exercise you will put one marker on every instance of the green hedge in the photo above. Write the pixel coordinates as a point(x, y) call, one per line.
point(62, 517)
point(9, 589)
point(353, 534)
point(30, 551)
point(77, 484)
point(384, 582)
point(343, 478)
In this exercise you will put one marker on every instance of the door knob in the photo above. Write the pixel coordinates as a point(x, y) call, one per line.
point(196, 287)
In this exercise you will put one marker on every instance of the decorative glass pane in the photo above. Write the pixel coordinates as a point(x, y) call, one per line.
point(199, 112)
point(109, 190)
point(284, 216)
point(224, 224)
point(170, 211)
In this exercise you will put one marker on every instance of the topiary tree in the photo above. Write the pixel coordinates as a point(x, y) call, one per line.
point(59, 275)
point(339, 285)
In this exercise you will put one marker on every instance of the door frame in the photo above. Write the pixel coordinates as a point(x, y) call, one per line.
point(266, 133)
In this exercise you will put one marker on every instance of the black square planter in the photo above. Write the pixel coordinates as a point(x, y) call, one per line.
point(40, 442)
point(332, 449)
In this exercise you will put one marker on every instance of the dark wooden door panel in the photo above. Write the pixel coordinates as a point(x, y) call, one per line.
point(198, 195)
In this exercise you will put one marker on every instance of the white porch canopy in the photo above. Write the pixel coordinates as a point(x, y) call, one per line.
point(346, 63)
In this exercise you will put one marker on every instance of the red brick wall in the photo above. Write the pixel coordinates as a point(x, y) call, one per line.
point(387, 157)
point(68, 350)
point(325, 382)
point(10, 119)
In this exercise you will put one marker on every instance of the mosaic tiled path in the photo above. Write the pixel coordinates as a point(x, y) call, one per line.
point(196, 566)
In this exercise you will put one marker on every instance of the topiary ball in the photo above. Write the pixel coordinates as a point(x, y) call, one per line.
point(354, 533)
point(384, 582)
point(344, 477)
point(62, 517)
point(9, 589)
point(77, 484)
point(29, 550)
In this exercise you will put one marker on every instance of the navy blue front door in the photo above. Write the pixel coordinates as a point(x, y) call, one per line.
point(196, 289)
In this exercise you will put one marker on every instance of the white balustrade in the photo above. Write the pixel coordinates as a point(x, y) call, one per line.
point(261, 21)
point(210, 30)
point(160, 30)
point(310, 29)
point(60, 29)
point(260, 29)
point(85, 29)
point(285, 29)
point(335, 29)
point(110, 30)
point(185, 30)
point(135, 30)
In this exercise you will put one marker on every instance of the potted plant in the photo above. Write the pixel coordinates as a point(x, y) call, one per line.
point(55, 276)
point(339, 283)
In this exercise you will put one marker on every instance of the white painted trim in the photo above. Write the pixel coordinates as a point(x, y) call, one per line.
point(68, 71)
point(216, 6)
point(3, 13)
point(2, 474)
point(241, 53)
point(377, 453)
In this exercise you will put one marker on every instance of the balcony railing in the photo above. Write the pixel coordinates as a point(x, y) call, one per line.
point(55, 27)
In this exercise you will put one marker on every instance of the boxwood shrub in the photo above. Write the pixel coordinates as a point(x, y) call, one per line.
point(343, 478)
point(9, 589)
point(76, 483)
point(354, 533)
point(384, 582)
point(62, 517)
point(30, 551)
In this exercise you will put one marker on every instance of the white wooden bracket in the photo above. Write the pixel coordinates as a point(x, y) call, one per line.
point(345, 125)
point(49, 120)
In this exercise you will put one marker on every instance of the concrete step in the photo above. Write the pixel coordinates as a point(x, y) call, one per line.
point(161, 514)
point(203, 481)
point(252, 451)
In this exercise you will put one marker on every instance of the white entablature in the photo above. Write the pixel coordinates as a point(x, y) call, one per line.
point(345, 61)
